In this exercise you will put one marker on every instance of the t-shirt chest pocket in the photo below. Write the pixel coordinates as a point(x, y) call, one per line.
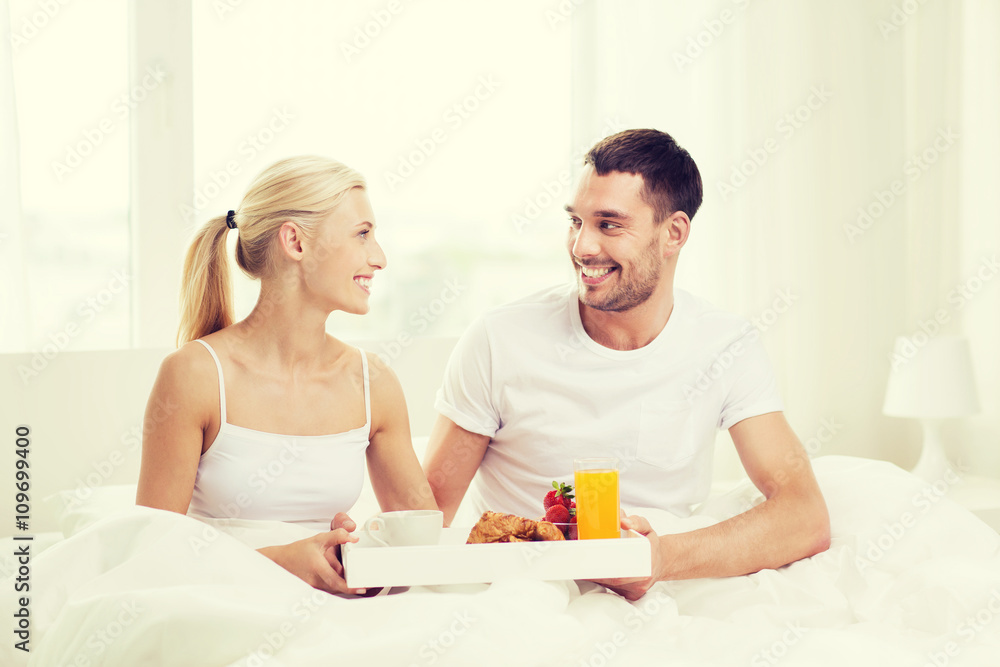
point(666, 434)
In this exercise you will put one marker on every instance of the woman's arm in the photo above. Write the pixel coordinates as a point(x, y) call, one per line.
point(173, 431)
point(396, 476)
point(177, 415)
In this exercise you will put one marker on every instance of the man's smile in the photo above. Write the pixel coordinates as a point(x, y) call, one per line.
point(595, 275)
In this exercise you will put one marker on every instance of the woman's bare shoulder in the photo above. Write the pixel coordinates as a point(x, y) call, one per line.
point(381, 378)
point(386, 390)
point(184, 396)
point(192, 358)
point(189, 370)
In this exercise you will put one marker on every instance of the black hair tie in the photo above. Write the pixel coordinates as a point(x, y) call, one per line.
point(231, 219)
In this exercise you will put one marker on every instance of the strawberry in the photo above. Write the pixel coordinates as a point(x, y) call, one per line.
point(557, 514)
point(550, 500)
point(561, 494)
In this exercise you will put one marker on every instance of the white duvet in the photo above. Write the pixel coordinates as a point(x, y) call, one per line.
point(910, 579)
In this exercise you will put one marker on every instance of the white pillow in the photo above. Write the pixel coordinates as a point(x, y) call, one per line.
point(76, 510)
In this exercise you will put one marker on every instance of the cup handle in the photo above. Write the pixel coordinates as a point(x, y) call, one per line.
point(375, 521)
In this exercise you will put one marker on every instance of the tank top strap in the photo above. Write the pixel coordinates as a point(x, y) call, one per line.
point(368, 396)
point(222, 384)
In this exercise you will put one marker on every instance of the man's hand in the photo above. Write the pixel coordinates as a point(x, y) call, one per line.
point(634, 588)
point(792, 523)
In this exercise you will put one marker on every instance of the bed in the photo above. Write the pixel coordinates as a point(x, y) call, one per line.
point(911, 578)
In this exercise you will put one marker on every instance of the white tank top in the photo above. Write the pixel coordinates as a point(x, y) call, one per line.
point(248, 474)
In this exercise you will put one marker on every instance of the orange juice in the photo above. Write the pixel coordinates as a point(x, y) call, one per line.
point(597, 504)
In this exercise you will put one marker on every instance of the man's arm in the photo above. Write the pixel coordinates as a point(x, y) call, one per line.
point(792, 523)
point(453, 456)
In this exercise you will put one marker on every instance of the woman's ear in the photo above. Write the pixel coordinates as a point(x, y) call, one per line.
point(674, 233)
point(290, 240)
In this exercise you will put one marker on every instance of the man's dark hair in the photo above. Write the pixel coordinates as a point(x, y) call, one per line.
point(671, 181)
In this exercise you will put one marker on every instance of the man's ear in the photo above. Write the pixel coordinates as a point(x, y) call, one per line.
point(290, 240)
point(674, 233)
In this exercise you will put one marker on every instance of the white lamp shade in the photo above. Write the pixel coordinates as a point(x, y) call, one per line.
point(933, 380)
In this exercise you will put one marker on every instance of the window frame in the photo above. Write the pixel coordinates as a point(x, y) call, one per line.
point(161, 167)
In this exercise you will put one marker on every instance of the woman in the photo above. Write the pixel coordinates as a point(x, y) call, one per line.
point(275, 418)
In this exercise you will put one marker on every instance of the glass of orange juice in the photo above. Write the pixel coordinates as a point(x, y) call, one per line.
point(597, 499)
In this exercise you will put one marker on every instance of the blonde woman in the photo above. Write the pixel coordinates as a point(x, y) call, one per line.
point(271, 417)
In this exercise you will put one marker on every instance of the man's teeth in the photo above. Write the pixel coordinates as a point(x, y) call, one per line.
point(595, 273)
point(364, 282)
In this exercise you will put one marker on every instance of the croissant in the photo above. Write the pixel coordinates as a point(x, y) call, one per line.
point(497, 527)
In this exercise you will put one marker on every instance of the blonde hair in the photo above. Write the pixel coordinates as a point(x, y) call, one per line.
point(303, 190)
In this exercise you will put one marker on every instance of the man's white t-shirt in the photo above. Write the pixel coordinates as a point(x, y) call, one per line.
point(528, 376)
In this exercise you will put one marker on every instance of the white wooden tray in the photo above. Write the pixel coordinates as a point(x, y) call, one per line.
point(452, 561)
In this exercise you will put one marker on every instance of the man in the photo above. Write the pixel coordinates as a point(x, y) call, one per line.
point(622, 364)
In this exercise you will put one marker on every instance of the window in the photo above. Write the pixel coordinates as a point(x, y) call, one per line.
point(464, 140)
point(70, 74)
point(457, 113)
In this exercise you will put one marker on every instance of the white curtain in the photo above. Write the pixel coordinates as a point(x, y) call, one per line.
point(976, 220)
point(848, 153)
point(13, 304)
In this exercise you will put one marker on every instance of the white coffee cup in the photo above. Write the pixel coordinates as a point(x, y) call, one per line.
point(405, 528)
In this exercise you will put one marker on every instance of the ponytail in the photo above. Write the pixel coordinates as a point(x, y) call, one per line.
point(303, 190)
point(206, 292)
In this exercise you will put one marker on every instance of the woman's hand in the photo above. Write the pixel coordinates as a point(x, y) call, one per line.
point(345, 522)
point(316, 560)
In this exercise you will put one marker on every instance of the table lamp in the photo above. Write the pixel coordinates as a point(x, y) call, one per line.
point(931, 382)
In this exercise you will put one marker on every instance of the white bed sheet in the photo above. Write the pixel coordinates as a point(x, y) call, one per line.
point(910, 579)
